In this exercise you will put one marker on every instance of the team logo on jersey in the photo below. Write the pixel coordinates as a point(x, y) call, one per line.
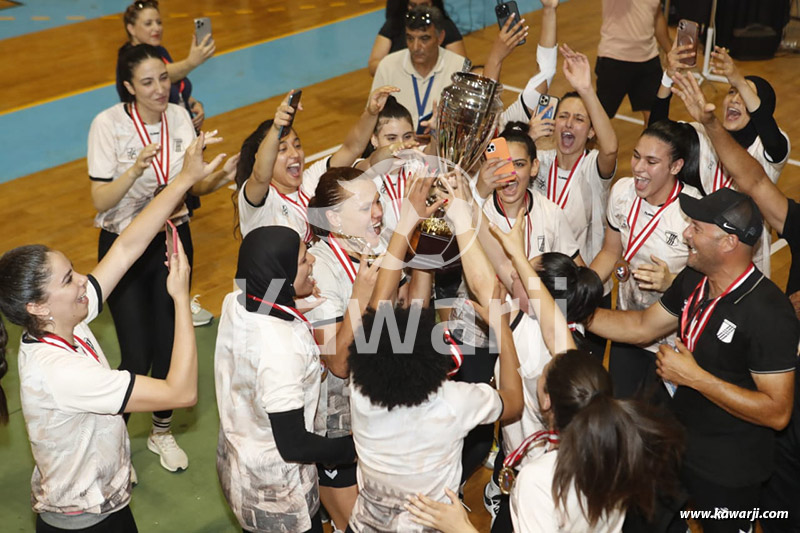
point(726, 331)
point(285, 210)
point(132, 153)
point(331, 473)
point(179, 145)
point(671, 238)
point(540, 240)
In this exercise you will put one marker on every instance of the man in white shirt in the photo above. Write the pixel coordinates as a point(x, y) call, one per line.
point(424, 68)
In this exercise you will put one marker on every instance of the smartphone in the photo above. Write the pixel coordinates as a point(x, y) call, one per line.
point(548, 105)
point(689, 33)
point(503, 10)
point(202, 27)
point(499, 148)
point(172, 243)
point(294, 101)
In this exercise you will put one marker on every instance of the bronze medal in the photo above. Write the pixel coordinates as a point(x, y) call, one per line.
point(622, 271)
point(506, 479)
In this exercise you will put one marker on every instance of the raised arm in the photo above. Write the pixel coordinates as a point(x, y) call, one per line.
point(578, 72)
point(257, 185)
point(198, 54)
point(634, 327)
point(746, 172)
point(135, 238)
point(358, 137)
point(506, 41)
point(660, 110)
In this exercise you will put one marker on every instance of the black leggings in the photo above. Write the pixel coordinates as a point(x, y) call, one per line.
point(118, 522)
point(143, 311)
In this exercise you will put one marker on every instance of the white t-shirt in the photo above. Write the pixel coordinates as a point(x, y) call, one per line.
point(666, 242)
point(273, 210)
point(711, 179)
point(114, 146)
point(585, 208)
point(411, 450)
point(70, 402)
point(263, 364)
point(549, 229)
point(533, 509)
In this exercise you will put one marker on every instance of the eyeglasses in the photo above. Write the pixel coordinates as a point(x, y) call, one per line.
point(418, 18)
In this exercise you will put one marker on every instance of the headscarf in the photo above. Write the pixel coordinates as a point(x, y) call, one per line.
point(268, 253)
point(747, 135)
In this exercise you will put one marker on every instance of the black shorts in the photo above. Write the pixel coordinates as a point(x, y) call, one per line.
point(615, 79)
point(337, 476)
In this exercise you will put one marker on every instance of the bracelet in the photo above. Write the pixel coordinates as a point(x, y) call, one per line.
point(666, 81)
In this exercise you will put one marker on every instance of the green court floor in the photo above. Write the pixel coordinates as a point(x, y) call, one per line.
point(188, 501)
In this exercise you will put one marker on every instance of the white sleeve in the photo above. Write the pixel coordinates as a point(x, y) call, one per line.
point(80, 385)
point(248, 212)
point(532, 506)
point(476, 403)
point(312, 174)
point(516, 112)
point(280, 373)
point(564, 239)
point(334, 305)
point(101, 157)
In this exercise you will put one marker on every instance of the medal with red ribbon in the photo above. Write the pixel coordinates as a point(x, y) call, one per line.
point(160, 162)
point(694, 318)
point(286, 309)
point(636, 241)
point(720, 179)
point(343, 258)
point(396, 192)
point(507, 475)
point(59, 342)
point(455, 352)
point(300, 207)
point(552, 182)
point(528, 223)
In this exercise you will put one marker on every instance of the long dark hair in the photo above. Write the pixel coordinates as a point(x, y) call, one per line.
point(614, 453)
point(684, 144)
point(24, 272)
point(579, 286)
point(329, 194)
point(129, 58)
point(247, 158)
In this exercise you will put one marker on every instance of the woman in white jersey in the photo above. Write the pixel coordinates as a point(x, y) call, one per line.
point(274, 186)
point(135, 149)
point(598, 459)
point(748, 115)
point(72, 401)
point(643, 245)
point(268, 375)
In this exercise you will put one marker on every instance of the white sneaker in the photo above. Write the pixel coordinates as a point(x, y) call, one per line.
point(173, 458)
point(200, 317)
point(491, 498)
point(134, 477)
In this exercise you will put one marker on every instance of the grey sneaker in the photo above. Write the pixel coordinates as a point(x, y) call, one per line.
point(173, 458)
point(200, 317)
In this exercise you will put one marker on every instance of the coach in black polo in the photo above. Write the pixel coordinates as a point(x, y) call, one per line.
point(734, 365)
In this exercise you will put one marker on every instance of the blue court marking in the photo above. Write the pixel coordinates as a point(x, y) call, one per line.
point(53, 133)
point(57, 10)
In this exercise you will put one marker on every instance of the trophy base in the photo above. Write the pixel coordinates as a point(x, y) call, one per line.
point(433, 251)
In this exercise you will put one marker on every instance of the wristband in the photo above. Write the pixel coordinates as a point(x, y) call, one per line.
point(666, 81)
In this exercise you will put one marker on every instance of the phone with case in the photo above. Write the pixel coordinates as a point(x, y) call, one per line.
point(689, 33)
point(172, 240)
point(546, 108)
point(202, 28)
point(499, 148)
point(294, 101)
point(503, 10)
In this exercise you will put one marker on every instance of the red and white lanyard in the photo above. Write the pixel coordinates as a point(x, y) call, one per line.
point(396, 192)
point(720, 179)
point(286, 309)
point(54, 340)
point(455, 352)
point(552, 182)
point(160, 162)
point(635, 242)
point(301, 208)
point(528, 224)
point(344, 259)
point(513, 459)
point(691, 329)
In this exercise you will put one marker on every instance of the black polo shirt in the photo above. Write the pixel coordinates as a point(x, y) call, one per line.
point(753, 330)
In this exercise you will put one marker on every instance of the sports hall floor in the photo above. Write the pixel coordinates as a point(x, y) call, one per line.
point(57, 61)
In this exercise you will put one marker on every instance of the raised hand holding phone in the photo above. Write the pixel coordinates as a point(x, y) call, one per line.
point(288, 107)
point(179, 270)
point(172, 241)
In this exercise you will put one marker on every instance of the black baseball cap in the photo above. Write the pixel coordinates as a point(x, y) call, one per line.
point(734, 212)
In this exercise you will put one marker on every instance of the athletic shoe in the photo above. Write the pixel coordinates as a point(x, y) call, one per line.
point(491, 498)
point(200, 317)
point(134, 477)
point(173, 458)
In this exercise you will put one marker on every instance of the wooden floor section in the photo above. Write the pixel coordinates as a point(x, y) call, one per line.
point(54, 208)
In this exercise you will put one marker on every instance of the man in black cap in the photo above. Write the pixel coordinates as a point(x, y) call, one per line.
point(782, 491)
point(731, 375)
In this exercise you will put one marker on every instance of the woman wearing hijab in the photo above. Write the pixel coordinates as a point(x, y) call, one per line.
point(268, 375)
point(749, 109)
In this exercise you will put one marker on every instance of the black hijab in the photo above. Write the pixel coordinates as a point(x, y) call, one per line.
point(268, 253)
point(747, 135)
